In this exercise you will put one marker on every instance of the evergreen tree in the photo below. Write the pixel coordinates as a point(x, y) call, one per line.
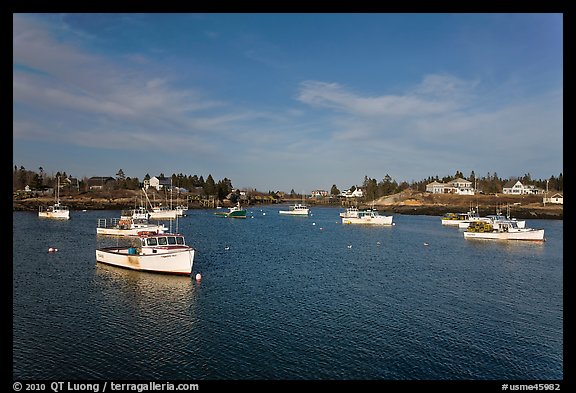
point(210, 186)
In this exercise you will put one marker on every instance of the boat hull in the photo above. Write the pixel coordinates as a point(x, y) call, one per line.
point(178, 261)
point(533, 235)
point(367, 220)
point(167, 215)
point(294, 213)
point(453, 223)
point(61, 215)
point(130, 231)
point(236, 214)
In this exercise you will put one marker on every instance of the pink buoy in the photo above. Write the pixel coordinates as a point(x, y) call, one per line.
point(198, 277)
point(51, 249)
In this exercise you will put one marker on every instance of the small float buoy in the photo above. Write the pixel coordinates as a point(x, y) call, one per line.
point(198, 277)
point(226, 248)
point(51, 249)
point(313, 223)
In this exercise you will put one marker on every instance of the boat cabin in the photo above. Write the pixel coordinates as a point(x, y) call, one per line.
point(152, 239)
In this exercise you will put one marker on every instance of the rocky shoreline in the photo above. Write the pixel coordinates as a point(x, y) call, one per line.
point(399, 204)
point(521, 213)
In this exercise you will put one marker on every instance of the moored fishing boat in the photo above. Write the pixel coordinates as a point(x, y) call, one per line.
point(350, 212)
point(369, 216)
point(159, 253)
point(298, 209)
point(455, 219)
point(57, 210)
point(502, 230)
point(474, 216)
point(127, 226)
point(233, 212)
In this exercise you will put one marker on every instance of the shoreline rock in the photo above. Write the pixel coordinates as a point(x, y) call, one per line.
point(530, 211)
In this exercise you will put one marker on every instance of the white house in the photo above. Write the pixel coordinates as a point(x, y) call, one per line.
point(557, 198)
point(436, 187)
point(319, 193)
point(457, 186)
point(357, 193)
point(461, 186)
point(158, 183)
point(516, 187)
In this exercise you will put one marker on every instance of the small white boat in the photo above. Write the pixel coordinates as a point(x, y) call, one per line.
point(56, 210)
point(455, 219)
point(181, 210)
point(233, 212)
point(490, 218)
point(127, 226)
point(137, 213)
point(163, 213)
point(159, 253)
point(502, 230)
point(466, 223)
point(370, 217)
point(350, 212)
point(298, 209)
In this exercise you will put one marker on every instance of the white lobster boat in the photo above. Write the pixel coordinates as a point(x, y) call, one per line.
point(127, 226)
point(298, 209)
point(370, 217)
point(56, 211)
point(164, 213)
point(455, 219)
point(350, 212)
point(157, 253)
point(502, 230)
point(492, 218)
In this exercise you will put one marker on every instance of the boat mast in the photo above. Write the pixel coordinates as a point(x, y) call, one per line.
point(57, 193)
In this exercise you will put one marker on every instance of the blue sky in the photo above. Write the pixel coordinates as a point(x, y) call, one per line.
point(290, 100)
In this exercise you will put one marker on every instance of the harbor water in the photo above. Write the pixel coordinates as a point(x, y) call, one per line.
point(289, 298)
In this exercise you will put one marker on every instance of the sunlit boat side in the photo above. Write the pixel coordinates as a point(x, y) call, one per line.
point(158, 253)
point(502, 230)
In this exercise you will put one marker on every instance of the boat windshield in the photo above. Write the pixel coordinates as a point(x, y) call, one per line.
point(163, 240)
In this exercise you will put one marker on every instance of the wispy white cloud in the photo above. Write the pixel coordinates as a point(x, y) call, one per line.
point(437, 94)
point(72, 83)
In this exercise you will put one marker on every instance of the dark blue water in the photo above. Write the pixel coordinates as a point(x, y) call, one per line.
point(292, 298)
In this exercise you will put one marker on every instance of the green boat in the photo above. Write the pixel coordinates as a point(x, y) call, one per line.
point(233, 212)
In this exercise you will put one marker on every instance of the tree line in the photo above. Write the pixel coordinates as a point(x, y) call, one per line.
point(40, 181)
point(491, 183)
point(488, 184)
